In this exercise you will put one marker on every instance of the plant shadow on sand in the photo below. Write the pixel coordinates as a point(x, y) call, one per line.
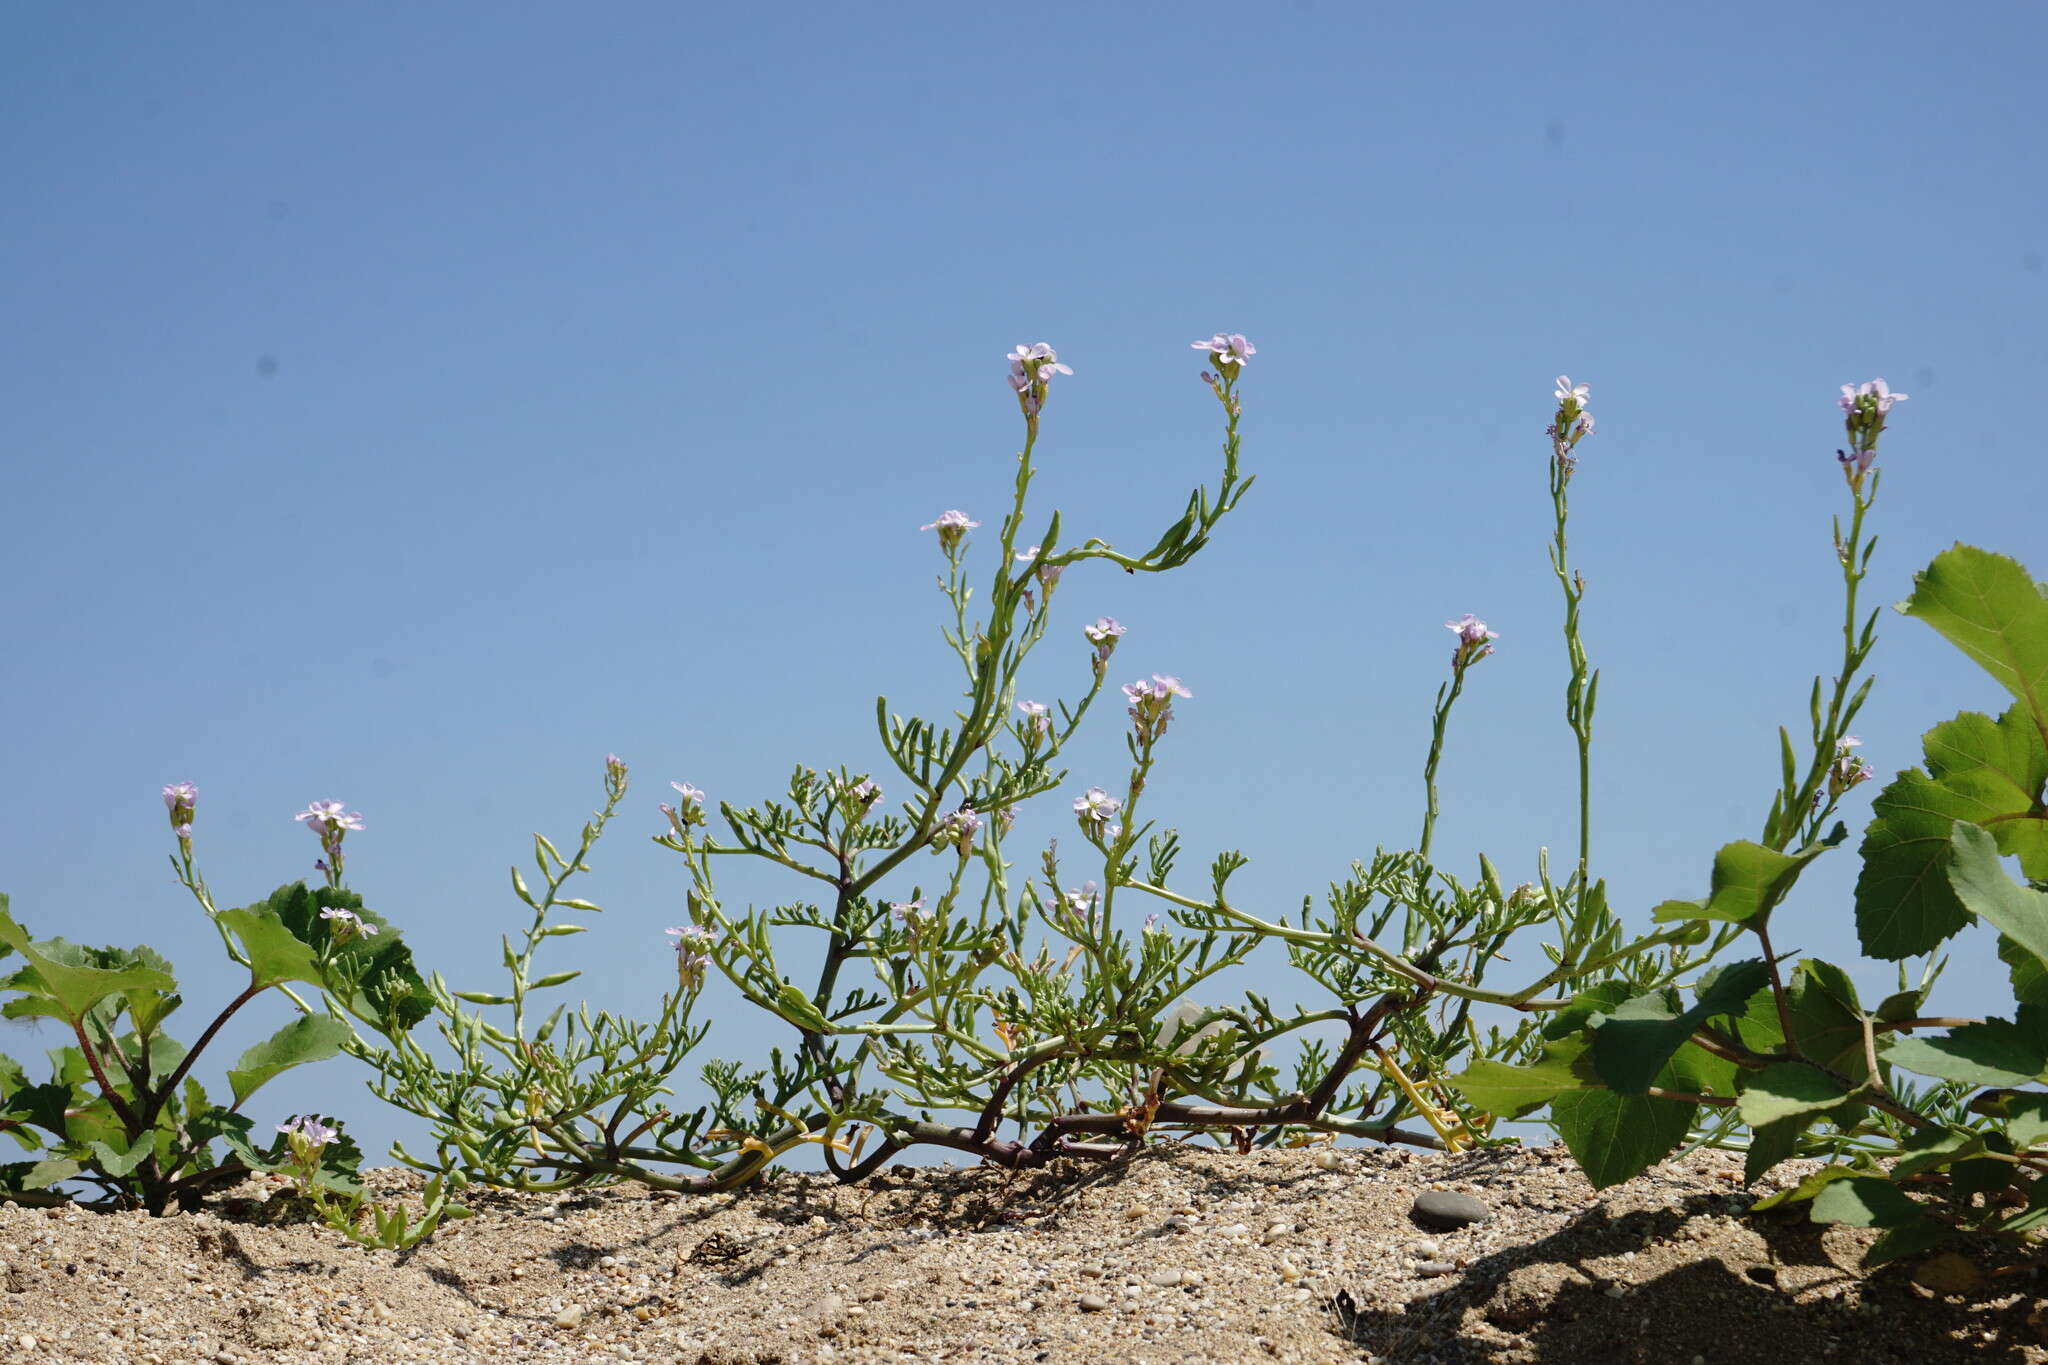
point(1690, 1283)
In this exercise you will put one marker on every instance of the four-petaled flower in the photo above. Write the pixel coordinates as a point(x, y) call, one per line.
point(309, 1130)
point(1876, 390)
point(1103, 635)
point(952, 526)
point(1094, 812)
point(1475, 641)
point(322, 816)
point(1039, 718)
point(1082, 901)
point(1230, 349)
point(1568, 392)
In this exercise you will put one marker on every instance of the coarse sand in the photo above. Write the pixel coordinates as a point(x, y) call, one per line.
point(1179, 1255)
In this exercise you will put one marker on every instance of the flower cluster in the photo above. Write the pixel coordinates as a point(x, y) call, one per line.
point(347, 924)
point(1103, 635)
point(1036, 725)
point(1031, 370)
point(1572, 424)
point(1864, 407)
point(1094, 811)
point(693, 954)
point(1847, 770)
point(956, 828)
point(1151, 708)
point(179, 799)
point(614, 776)
point(1082, 901)
point(690, 811)
point(911, 915)
point(308, 1137)
point(330, 822)
point(952, 526)
point(855, 798)
point(1475, 641)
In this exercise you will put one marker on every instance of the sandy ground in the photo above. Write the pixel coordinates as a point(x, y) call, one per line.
point(1187, 1255)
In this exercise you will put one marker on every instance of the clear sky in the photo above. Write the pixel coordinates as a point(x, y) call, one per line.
point(406, 405)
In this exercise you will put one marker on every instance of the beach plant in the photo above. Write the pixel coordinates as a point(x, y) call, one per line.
point(122, 1113)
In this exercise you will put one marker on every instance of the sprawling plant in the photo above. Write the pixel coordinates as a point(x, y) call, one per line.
point(955, 1004)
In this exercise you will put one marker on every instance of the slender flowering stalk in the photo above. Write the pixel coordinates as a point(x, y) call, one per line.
point(952, 526)
point(1475, 642)
point(1571, 425)
point(1103, 634)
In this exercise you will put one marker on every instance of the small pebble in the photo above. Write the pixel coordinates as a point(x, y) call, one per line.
point(1233, 1230)
point(1165, 1279)
point(1275, 1231)
point(1425, 1249)
point(1093, 1303)
point(572, 1316)
point(1329, 1161)
point(1448, 1210)
point(1430, 1269)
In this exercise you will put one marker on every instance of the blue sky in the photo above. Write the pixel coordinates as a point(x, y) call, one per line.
point(409, 404)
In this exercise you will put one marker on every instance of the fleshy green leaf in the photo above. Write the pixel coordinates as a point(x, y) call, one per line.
point(1995, 1052)
point(1989, 607)
point(1785, 1090)
point(1633, 1043)
point(309, 1038)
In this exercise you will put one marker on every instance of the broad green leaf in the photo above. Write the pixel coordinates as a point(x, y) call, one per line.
point(308, 1038)
point(1989, 607)
point(1512, 1091)
point(2029, 1120)
point(276, 955)
point(69, 976)
point(1600, 998)
point(1826, 1028)
point(1786, 1090)
point(1749, 879)
point(1901, 1005)
point(1983, 887)
point(1995, 1052)
point(1904, 905)
point(1999, 768)
point(1771, 1143)
point(1930, 1149)
point(1615, 1137)
point(1865, 1201)
point(1632, 1044)
point(1808, 1188)
point(46, 1173)
point(2029, 973)
point(1907, 1239)
point(119, 1163)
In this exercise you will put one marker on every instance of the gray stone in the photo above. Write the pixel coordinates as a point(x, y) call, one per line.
point(1448, 1211)
point(1093, 1303)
